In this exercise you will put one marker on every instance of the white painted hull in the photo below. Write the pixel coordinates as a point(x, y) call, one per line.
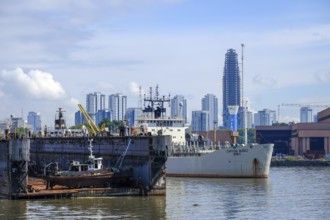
point(241, 162)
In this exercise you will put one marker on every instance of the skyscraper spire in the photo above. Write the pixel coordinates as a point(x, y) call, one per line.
point(231, 82)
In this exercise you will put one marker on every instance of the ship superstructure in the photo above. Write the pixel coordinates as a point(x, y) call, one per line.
point(154, 120)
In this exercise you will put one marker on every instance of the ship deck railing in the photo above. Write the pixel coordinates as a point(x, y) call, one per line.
point(196, 148)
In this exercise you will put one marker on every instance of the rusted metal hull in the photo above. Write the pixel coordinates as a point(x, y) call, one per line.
point(84, 181)
point(240, 162)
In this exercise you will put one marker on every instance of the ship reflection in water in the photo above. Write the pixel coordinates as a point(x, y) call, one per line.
point(286, 194)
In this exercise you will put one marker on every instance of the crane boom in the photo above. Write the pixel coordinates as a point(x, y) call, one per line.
point(90, 121)
point(305, 105)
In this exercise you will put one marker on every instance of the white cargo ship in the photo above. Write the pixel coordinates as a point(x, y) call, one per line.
point(196, 158)
point(252, 161)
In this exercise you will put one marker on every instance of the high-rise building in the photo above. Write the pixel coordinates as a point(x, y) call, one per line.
point(78, 118)
point(118, 106)
point(179, 107)
point(210, 104)
point(265, 117)
point(91, 103)
point(240, 118)
point(306, 114)
point(34, 119)
point(94, 102)
point(101, 115)
point(132, 114)
point(200, 120)
point(231, 82)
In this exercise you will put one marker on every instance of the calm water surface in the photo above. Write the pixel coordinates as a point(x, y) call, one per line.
point(289, 193)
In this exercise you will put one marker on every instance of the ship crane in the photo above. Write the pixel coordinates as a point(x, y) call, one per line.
point(94, 128)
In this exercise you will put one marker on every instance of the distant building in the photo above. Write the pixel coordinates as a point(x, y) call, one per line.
point(18, 123)
point(324, 116)
point(299, 139)
point(78, 118)
point(94, 102)
point(231, 83)
point(34, 119)
point(12, 124)
point(132, 114)
point(210, 104)
point(280, 136)
point(306, 115)
point(101, 115)
point(200, 121)
point(265, 117)
point(179, 107)
point(118, 106)
point(240, 118)
point(310, 137)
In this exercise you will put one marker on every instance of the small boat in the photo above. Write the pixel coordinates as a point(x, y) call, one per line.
point(88, 174)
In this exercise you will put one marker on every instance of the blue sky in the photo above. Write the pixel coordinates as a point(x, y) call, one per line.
point(53, 53)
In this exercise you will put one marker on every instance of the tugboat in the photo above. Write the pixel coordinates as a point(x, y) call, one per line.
point(88, 174)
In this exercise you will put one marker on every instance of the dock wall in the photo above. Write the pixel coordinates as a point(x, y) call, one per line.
point(14, 158)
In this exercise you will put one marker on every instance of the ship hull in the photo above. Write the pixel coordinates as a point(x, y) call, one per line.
point(241, 162)
point(90, 180)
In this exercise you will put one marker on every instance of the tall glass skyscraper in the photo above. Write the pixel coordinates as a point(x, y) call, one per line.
point(231, 85)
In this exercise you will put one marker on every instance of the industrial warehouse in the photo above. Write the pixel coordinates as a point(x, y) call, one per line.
point(311, 140)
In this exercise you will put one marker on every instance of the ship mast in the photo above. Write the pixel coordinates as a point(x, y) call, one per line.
point(156, 102)
point(243, 102)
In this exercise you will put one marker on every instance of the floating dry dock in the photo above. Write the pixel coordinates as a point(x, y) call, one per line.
point(20, 159)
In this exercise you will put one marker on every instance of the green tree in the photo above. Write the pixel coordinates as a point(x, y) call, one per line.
point(113, 126)
point(250, 135)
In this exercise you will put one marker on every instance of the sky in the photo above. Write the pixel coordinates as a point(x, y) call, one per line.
point(53, 53)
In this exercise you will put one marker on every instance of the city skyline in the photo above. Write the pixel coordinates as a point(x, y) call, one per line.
point(54, 53)
point(200, 119)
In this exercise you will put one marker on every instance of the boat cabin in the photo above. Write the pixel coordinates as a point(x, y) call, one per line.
point(91, 165)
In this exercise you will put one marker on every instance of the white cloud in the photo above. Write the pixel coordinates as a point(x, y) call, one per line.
point(73, 102)
point(134, 88)
point(106, 86)
point(323, 76)
point(264, 80)
point(35, 84)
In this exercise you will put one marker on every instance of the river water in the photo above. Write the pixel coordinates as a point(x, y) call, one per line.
point(289, 193)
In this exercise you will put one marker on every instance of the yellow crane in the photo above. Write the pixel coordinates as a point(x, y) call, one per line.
point(94, 128)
